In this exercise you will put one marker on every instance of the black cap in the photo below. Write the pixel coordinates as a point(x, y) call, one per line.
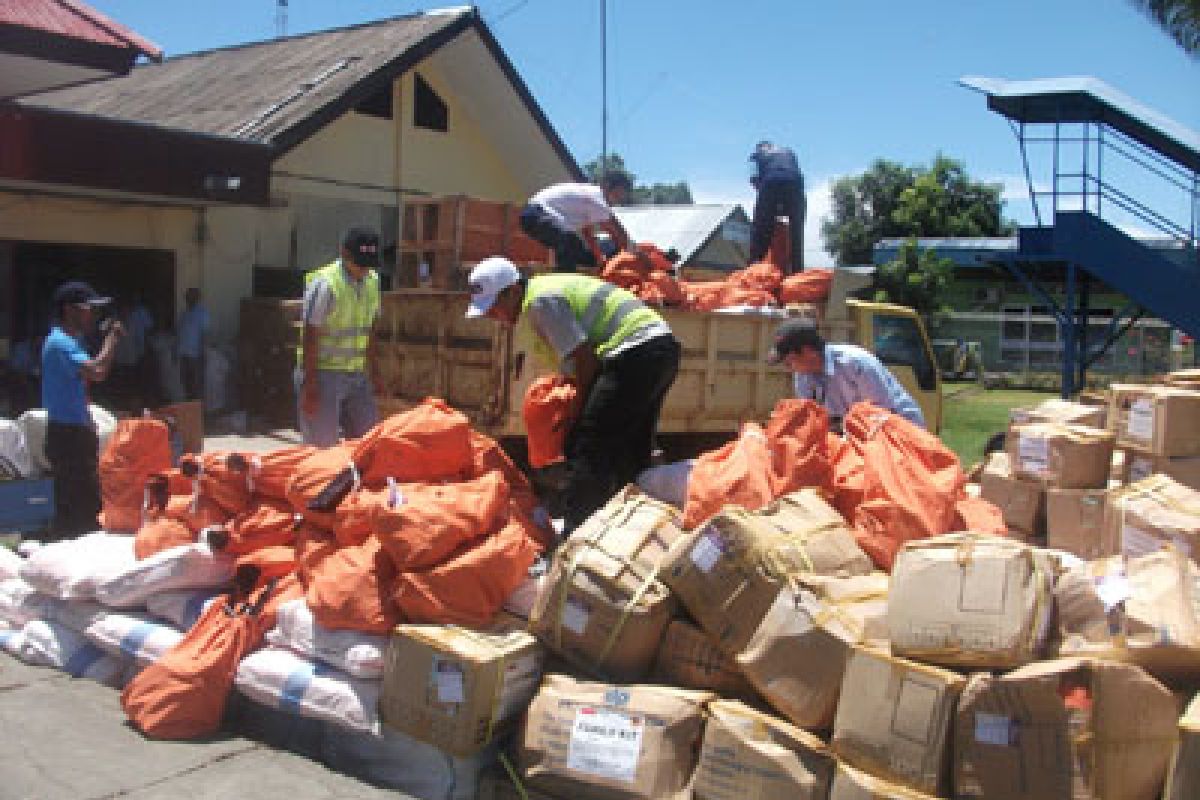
point(792, 337)
point(363, 245)
point(78, 293)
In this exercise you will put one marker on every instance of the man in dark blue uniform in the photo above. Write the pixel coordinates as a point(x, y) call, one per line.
point(780, 186)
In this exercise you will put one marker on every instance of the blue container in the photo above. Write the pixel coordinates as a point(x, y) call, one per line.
point(26, 506)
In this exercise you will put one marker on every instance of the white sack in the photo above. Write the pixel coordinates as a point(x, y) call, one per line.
point(10, 563)
point(49, 644)
point(186, 566)
point(13, 448)
point(21, 603)
point(401, 763)
point(181, 608)
point(668, 483)
point(136, 636)
point(33, 428)
point(72, 568)
point(281, 679)
point(10, 637)
point(358, 654)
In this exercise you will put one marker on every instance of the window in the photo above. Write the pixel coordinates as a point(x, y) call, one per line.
point(898, 342)
point(429, 110)
point(377, 105)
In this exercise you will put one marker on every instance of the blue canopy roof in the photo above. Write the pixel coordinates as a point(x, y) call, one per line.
point(1088, 99)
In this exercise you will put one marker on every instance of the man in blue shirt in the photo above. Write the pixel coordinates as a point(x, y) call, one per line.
point(193, 329)
point(838, 375)
point(780, 186)
point(72, 447)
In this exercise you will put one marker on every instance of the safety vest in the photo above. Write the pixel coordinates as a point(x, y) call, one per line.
point(342, 342)
point(608, 314)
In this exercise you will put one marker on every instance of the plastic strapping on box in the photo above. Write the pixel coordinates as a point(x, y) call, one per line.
point(512, 776)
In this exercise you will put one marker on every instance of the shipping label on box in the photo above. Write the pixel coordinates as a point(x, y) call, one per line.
point(1065, 456)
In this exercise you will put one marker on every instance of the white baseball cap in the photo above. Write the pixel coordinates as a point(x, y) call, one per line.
point(489, 278)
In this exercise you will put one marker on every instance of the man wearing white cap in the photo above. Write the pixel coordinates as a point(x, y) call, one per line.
point(620, 354)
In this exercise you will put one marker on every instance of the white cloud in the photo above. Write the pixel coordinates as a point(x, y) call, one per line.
point(819, 205)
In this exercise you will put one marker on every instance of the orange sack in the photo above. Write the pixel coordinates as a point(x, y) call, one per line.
point(761, 275)
point(847, 463)
point(470, 587)
point(549, 413)
point(661, 289)
point(266, 523)
point(979, 515)
point(911, 482)
point(137, 449)
point(311, 475)
point(428, 522)
point(183, 694)
point(761, 464)
point(347, 588)
point(224, 484)
point(160, 533)
point(352, 522)
point(270, 472)
point(430, 442)
point(489, 456)
point(810, 286)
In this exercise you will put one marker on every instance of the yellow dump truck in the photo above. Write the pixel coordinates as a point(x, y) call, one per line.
point(429, 348)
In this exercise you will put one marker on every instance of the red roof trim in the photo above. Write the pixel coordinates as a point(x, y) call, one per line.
point(75, 20)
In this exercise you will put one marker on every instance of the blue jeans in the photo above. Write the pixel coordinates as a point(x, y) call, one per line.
point(347, 404)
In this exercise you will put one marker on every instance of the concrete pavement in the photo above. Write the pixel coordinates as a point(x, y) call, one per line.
point(67, 739)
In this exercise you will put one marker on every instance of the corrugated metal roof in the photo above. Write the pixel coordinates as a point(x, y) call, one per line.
point(261, 90)
point(686, 228)
point(1088, 99)
point(74, 20)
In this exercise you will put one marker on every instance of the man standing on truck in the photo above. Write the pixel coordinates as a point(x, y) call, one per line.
point(564, 218)
point(838, 375)
point(341, 303)
point(72, 446)
point(619, 353)
point(780, 186)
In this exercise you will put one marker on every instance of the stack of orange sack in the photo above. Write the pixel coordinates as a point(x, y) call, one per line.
point(893, 481)
point(422, 520)
point(648, 274)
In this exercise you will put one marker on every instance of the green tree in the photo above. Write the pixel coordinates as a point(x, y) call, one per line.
point(891, 200)
point(642, 194)
point(1179, 18)
point(917, 278)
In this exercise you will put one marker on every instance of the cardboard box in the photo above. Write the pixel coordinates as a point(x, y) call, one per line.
point(1075, 520)
point(1142, 517)
point(797, 657)
point(603, 607)
point(861, 600)
point(895, 719)
point(1145, 611)
point(749, 754)
point(1139, 466)
point(1183, 779)
point(1071, 728)
point(1064, 411)
point(720, 575)
point(1161, 420)
point(459, 689)
point(1022, 502)
point(852, 784)
point(807, 534)
point(1064, 456)
point(596, 741)
point(970, 600)
point(688, 658)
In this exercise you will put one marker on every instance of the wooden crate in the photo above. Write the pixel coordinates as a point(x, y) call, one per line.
point(450, 234)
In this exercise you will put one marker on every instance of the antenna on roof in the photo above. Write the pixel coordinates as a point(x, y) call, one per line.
point(281, 11)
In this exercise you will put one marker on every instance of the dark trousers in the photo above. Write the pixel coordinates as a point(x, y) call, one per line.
point(191, 372)
point(74, 455)
point(570, 251)
point(613, 438)
point(779, 199)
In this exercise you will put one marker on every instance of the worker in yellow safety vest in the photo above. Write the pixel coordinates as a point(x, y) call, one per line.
point(619, 353)
point(337, 372)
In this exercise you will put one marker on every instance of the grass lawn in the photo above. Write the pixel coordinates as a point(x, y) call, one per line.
point(972, 414)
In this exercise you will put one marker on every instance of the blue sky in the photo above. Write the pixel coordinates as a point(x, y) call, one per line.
point(693, 84)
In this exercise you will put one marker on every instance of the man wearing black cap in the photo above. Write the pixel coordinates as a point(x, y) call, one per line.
point(341, 303)
point(72, 447)
point(838, 375)
point(780, 186)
